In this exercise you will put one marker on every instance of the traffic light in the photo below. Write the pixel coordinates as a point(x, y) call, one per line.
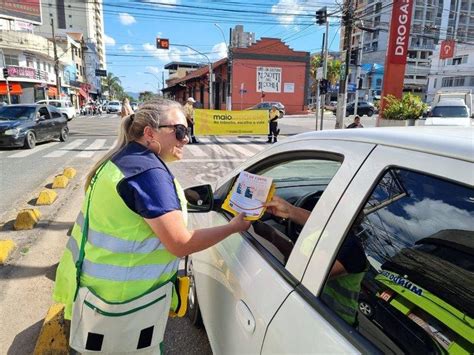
point(354, 57)
point(5, 72)
point(163, 43)
point(323, 86)
point(321, 16)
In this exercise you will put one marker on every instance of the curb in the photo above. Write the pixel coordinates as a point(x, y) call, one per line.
point(6, 247)
point(53, 337)
point(26, 219)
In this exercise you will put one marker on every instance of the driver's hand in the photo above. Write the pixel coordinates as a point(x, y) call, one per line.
point(279, 207)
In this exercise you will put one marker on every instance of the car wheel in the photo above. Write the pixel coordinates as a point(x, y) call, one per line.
point(30, 140)
point(193, 311)
point(63, 135)
point(370, 113)
point(366, 309)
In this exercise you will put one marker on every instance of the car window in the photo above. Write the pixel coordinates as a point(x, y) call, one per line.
point(55, 113)
point(12, 113)
point(404, 275)
point(300, 182)
point(43, 111)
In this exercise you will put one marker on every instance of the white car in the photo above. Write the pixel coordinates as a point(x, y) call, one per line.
point(383, 264)
point(114, 107)
point(63, 106)
point(449, 112)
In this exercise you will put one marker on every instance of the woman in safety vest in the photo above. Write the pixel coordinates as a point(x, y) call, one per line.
point(136, 216)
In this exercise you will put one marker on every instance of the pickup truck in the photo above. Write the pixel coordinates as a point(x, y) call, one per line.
point(451, 109)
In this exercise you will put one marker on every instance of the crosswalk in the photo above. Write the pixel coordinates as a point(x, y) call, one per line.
point(210, 148)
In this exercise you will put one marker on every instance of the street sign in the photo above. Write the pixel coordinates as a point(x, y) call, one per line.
point(319, 73)
point(100, 72)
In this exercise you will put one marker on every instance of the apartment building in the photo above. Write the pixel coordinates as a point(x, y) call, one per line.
point(242, 39)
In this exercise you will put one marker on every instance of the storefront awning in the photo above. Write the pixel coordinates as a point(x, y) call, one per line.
point(15, 89)
point(83, 93)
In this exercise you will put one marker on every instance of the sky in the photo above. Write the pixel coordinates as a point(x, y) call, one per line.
point(132, 26)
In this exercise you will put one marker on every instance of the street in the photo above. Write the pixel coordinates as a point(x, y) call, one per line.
point(31, 268)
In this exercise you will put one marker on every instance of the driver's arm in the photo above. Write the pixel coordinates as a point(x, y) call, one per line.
point(281, 208)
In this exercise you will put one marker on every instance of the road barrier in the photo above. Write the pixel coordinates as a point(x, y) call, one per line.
point(60, 182)
point(26, 219)
point(46, 197)
point(6, 247)
point(69, 173)
point(53, 337)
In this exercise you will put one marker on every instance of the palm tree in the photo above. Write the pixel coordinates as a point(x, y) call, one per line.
point(334, 68)
point(112, 84)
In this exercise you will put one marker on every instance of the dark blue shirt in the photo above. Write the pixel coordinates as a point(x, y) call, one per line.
point(147, 187)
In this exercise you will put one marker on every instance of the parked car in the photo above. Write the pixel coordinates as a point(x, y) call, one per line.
point(25, 125)
point(363, 108)
point(385, 203)
point(268, 105)
point(114, 107)
point(134, 106)
point(331, 106)
point(64, 106)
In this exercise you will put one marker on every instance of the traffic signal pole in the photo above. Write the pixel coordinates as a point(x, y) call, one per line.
point(359, 64)
point(325, 74)
point(8, 91)
point(342, 95)
point(56, 61)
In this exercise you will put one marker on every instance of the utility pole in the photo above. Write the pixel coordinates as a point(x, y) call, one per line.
point(229, 72)
point(358, 64)
point(56, 60)
point(162, 82)
point(321, 19)
point(318, 91)
point(325, 73)
point(347, 19)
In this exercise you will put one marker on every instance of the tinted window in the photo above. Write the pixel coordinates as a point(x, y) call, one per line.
point(449, 111)
point(300, 182)
point(43, 111)
point(404, 276)
point(13, 113)
point(55, 113)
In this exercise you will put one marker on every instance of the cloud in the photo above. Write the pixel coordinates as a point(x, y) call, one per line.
point(154, 70)
point(126, 19)
point(219, 51)
point(109, 41)
point(289, 9)
point(127, 48)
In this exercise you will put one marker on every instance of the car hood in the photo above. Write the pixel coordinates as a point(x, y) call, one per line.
point(448, 121)
point(4, 124)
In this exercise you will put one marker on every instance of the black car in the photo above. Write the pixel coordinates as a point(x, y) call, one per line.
point(363, 108)
point(24, 125)
point(267, 105)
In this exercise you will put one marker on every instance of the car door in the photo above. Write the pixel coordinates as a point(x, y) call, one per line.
point(43, 127)
point(57, 121)
point(411, 213)
point(242, 281)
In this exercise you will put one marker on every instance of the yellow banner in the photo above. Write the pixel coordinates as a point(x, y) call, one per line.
point(218, 122)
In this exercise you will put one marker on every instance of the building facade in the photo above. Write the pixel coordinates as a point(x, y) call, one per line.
point(242, 39)
point(267, 71)
point(451, 74)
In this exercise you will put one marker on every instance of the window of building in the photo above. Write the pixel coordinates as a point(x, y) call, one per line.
point(459, 80)
point(30, 63)
point(457, 61)
point(447, 82)
point(11, 59)
point(435, 83)
point(49, 67)
point(412, 54)
point(403, 277)
point(378, 83)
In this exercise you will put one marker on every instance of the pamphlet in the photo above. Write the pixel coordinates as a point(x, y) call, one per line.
point(248, 195)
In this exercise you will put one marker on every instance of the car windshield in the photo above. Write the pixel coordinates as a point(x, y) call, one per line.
point(14, 113)
point(449, 111)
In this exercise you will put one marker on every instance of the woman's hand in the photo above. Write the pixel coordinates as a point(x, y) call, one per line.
point(239, 224)
point(279, 207)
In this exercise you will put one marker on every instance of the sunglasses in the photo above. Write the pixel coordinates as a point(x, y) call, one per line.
point(180, 130)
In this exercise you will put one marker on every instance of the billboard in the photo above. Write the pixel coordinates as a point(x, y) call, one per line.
point(217, 122)
point(25, 10)
point(268, 79)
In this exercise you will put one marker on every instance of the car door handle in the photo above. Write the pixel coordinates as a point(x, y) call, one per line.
point(245, 317)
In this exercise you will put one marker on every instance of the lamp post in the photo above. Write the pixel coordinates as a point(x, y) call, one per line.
point(211, 106)
point(229, 68)
point(157, 81)
point(362, 29)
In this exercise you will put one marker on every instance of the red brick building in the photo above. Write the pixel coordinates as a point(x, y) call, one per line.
point(267, 71)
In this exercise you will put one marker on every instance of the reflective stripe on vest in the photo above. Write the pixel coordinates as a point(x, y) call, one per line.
point(118, 245)
point(341, 294)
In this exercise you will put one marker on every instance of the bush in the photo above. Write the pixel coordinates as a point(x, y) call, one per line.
point(409, 107)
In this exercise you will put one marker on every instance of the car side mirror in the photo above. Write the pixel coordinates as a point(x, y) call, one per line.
point(200, 198)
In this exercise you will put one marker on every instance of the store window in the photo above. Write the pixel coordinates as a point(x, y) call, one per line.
point(11, 59)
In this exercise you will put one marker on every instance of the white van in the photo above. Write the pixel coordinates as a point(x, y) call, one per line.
point(63, 106)
point(451, 109)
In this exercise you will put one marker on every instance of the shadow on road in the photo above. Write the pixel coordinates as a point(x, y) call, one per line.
point(22, 343)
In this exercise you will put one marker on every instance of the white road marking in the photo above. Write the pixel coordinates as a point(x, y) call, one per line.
point(195, 151)
point(92, 149)
point(66, 149)
point(237, 147)
point(29, 152)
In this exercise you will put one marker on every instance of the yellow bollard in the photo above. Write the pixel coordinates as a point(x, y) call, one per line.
point(69, 173)
point(60, 182)
point(26, 219)
point(6, 247)
point(53, 338)
point(46, 197)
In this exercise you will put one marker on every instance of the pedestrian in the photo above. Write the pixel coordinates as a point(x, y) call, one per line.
point(274, 115)
point(189, 112)
point(356, 123)
point(129, 236)
point(126, 108)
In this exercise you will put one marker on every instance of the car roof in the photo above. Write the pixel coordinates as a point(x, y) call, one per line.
point(451, 102)
point(454, 142)
point(25, 105)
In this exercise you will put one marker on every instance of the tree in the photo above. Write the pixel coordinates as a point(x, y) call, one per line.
point(334, 68)
point(409, 107)
point(112, 84)
point(146, 95)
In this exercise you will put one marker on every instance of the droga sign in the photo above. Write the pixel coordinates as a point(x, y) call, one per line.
point(400, 31)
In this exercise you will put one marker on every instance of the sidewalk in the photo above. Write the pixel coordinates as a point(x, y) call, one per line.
point(26, 284)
